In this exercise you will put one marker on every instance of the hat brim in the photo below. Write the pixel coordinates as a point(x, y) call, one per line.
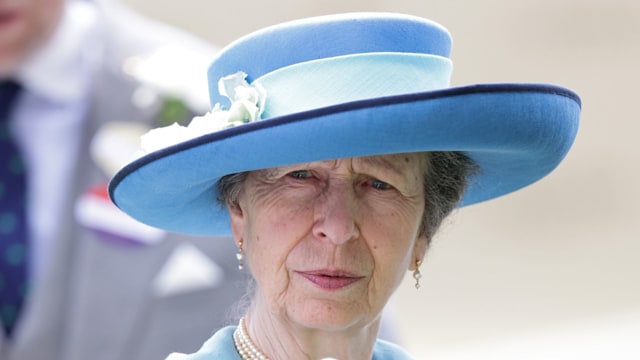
point(516, 133)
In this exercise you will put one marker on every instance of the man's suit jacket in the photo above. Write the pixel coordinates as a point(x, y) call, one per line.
point(99, 298)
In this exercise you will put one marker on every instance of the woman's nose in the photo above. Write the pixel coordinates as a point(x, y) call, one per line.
point(335, 215)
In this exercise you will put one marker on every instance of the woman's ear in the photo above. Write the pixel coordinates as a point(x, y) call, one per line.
point(419, 251)
point(236, 216)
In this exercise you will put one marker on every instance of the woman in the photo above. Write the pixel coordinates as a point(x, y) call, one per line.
point(342, 150)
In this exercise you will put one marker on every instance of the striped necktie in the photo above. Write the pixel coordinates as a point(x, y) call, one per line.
point(13, 227)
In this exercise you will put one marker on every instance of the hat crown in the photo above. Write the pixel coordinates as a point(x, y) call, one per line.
point(322, 37)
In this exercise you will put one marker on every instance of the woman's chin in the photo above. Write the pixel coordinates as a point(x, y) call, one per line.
point(327, 315)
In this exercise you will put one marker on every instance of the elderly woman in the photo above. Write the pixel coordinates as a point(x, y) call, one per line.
point(340, 152)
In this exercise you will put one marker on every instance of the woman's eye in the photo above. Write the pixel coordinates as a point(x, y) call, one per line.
point(300, 174)
point(380, 185)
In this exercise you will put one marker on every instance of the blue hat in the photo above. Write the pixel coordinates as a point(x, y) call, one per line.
point(343, 86)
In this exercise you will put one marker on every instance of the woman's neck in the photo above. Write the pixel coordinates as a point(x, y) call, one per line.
point(278, 338)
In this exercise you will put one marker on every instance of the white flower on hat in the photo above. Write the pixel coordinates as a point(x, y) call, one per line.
point(247, 104)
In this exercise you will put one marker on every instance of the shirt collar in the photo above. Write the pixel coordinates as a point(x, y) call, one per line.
point(60, 71)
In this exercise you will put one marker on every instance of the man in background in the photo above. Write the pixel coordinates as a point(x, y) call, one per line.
point(79, 82)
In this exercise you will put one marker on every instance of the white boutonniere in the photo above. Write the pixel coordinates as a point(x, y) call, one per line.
point(247, 104)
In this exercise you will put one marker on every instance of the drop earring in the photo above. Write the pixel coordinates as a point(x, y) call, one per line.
point(240, 256)
point(417, 275)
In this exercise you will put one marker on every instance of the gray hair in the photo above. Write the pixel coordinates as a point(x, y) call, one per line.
point(446, 178)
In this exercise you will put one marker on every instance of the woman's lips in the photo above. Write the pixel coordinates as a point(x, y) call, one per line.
point(329, 279)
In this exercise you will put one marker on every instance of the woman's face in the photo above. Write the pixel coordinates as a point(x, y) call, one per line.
point(328, 242)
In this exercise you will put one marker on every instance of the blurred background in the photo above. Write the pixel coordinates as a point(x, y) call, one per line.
point(551, 271)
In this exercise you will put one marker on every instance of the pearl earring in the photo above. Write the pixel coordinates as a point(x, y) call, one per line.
point(240, 256)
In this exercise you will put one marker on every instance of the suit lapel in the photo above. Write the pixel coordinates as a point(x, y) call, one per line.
point(108, 284)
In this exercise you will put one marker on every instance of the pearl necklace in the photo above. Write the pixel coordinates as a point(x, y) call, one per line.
point(245, 347)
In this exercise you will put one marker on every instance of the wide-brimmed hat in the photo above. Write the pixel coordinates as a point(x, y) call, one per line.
point(336, 87)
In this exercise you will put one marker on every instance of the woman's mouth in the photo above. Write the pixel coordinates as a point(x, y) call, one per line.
point(329, 279)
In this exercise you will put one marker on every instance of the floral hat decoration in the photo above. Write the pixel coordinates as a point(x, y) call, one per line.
point(342, 86)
